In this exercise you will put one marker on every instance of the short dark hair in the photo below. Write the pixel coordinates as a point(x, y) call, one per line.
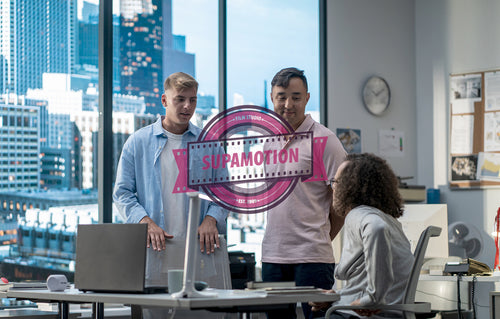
point(282, 78)
point(367, 179)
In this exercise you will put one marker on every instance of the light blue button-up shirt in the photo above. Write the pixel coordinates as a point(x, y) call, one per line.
point(138, 191)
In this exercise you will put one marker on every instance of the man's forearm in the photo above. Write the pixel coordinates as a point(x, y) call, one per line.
point(336, 223)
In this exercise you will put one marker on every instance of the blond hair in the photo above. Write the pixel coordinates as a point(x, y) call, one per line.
point(180, 81)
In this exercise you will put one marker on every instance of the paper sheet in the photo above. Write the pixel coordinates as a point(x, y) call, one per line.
point(391, 143)
point(464, 91)
point(462, 129)
point(492, 131)
point(492, 91)
point(488, 166)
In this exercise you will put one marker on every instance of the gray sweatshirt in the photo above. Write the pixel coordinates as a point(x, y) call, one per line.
point(376, 258)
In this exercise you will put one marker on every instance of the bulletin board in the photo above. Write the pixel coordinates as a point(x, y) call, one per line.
point(474, 159)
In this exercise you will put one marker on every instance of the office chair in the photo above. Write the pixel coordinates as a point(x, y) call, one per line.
point(409, 307)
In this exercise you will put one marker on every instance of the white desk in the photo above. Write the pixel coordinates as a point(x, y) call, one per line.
point(226, 300)
point(464, 278)
point(494, 304)
point(441, 292)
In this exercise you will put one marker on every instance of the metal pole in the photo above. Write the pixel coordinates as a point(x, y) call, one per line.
point(105, 135)
point(222, 56)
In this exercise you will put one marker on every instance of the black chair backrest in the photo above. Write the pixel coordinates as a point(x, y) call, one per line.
point(419, 253)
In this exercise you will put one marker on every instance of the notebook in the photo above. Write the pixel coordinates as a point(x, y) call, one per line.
point(112, 258)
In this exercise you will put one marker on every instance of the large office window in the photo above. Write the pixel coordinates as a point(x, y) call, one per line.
point(48, 111)
point(155, 39)
point(264, 37)
point(50, 95)
point(199, 39)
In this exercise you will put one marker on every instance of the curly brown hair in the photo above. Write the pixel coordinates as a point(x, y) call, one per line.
point(367, 179)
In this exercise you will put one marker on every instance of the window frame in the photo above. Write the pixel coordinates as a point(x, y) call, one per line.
point(105, 56)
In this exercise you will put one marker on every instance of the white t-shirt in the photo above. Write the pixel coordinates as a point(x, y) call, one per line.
point(173, 204)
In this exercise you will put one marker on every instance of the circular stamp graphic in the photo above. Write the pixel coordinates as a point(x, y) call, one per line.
point(248, 159)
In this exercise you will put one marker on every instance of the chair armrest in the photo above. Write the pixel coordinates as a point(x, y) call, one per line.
point(418, 307)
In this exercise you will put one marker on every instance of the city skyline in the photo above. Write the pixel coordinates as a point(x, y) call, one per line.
point(74, 90)
point(49, 117)
point(254, 55)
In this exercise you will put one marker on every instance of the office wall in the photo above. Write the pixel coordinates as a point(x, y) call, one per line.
point(452, 36)
point(415, 45)
point(367, 38)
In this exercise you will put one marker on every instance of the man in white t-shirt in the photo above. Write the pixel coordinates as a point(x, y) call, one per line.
point(297, 242)
point(147, 172)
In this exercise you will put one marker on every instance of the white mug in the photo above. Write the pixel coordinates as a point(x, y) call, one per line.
point(175, 280)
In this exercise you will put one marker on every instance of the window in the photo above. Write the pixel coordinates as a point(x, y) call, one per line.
point(53, 84)
point(277, 34)
point(143, 64)
point(48, 84)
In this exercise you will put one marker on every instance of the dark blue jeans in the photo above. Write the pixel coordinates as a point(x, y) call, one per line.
point(319, 275)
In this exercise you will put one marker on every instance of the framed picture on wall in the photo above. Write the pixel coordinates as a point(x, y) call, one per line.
point(351, 139)
point(463, 168)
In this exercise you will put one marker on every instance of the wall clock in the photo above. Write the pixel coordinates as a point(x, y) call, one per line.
point(376, 95)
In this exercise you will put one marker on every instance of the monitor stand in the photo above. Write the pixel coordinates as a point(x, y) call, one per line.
point(188, 290)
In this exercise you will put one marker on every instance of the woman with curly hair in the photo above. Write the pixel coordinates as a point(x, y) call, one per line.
point(376, 258)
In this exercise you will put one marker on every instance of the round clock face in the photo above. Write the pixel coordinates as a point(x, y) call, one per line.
point(376, 95)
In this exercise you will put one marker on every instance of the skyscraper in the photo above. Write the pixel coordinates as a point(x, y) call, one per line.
point(141, 51)
point(7, 44)
point(149, 52)
point(88, 49)
point(36, 37)
point(19, 136)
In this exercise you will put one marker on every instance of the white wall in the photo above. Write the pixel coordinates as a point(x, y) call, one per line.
point(414, 45)
point(367, 38)
point(452, 36)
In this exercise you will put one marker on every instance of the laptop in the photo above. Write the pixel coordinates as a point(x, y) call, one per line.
point(112, 258)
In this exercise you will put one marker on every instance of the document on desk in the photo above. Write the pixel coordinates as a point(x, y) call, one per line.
point(238, 293)
point(294, 290)
point(29, 285)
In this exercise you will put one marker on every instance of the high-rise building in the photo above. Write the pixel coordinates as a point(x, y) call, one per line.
point(88, 49)
point(7, 45)
point(141, 51)
point(19, 144)
point(36, 37)
point(120, 136)
point(124, 124)
point(55, 168)
point(60, 131)
point(56, 90)
point(121, 103)
point(149, 52)
point(130, 8)
point(89, 11)
point(57, 152)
